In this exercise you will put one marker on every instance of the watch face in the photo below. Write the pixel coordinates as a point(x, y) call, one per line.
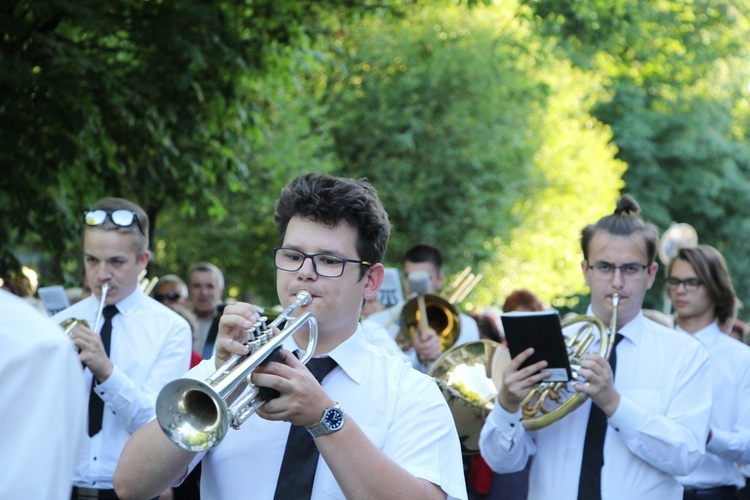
point(334, 419)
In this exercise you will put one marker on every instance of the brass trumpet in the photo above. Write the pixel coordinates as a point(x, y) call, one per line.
point(69, 324)
point(195, 415)
point(469, 376)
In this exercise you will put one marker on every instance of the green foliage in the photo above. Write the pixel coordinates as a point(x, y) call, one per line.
point(474, 146)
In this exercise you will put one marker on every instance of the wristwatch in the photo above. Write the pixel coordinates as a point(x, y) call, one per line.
point(333, 420)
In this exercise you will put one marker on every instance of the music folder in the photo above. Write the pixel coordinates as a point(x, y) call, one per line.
point(542, 331)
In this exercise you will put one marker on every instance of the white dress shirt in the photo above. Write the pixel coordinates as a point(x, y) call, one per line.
point(150, 346)
point(730, 417)
point(378, 335)
point(658, 431)
point(42, 415)
point(399, 409)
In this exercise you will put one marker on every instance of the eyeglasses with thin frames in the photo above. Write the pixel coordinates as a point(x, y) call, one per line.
point(122, 218)
point(605, 270)
point(691, 284)
point(325, 265)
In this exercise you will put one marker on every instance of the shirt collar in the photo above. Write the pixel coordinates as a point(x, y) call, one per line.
point(348, 354)
point(127, 305)
point(633, 331)
point(707, 335)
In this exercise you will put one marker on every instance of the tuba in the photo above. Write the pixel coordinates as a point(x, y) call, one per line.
point(439, 310)
point(195, 414)
point(469, 375)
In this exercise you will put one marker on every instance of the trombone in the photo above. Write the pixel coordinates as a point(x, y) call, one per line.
point(195, 415)
point(439, 310)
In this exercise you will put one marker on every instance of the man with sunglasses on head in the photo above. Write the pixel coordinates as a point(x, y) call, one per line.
point(130, 346)
point(374, 427)
point(702, 293)
point(646, 417)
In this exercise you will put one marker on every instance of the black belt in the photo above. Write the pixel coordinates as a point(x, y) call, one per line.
point(719, 492)
point(92, 494)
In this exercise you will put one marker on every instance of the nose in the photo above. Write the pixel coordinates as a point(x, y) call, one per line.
point(617, 278)
point(307, 271)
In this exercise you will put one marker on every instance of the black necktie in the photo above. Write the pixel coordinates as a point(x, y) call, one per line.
point(96, 405)
point(589, 484)
point(301, 455)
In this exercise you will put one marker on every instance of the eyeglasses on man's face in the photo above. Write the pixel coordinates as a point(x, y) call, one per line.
point(605, 270)
point(324, 264)
point(691, 284)
point(122, 218)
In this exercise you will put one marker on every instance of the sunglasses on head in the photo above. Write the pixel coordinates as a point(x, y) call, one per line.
point(122, 218)
point(161, 297)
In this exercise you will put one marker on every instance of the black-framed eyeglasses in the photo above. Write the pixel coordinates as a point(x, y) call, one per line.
point(324, 264)
point(605, 270)
point(161, 297)
point(691, 284)
point(122, 218)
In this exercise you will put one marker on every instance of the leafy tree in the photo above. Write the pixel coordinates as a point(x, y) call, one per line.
point(479, 141)
point(154, 101)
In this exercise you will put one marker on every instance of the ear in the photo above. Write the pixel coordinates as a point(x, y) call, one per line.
point(584, 267)
point(652, 273)
point(374, 280)
point(143, 260)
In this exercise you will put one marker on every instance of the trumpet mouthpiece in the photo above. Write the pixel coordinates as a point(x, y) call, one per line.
point(304, 297)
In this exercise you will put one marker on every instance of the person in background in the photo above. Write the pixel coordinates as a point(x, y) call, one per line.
point(649, 404)
point(381, 429)
point(171, 290)
point(426, 347)
point(205, 290)
point(43, 404)
point(703, 297)
point(137, 348)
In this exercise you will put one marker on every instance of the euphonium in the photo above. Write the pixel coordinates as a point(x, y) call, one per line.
point(195, 415)
point(469, 375)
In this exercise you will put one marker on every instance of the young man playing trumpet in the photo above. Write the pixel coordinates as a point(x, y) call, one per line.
point(132, 345)
point(652, 413)
point(382, 429)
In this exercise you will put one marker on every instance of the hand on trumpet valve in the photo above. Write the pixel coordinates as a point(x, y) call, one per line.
point(91, 351)
point(518, 383)
point(301, 399)
point(427, 345)
point(235, 329)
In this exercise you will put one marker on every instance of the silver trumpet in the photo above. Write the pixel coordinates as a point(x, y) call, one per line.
point(195, 415)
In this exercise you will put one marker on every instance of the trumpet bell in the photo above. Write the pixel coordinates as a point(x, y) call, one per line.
point(467, 376)
point(190, 415)
point(442, 316)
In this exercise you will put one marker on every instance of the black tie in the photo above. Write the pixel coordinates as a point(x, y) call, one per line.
point(96, 405)
point(589, 484)
point(301, 455)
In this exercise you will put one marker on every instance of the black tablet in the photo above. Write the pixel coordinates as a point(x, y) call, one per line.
point(540, 330)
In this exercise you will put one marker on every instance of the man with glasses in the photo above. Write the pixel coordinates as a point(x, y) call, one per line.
point(129, 350)
point(375, 428)
point(702, 293)
point(652, 413)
